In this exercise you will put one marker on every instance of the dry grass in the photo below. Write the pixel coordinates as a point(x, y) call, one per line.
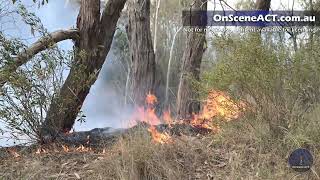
point(241, 151)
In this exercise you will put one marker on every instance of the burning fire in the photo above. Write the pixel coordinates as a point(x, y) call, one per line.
point(167, 117)
point(65, 148)
point(81, 148)
point(41, 151)
point(151, 99)
point(218, 104)
point(158, 137)
point(14, 153)
point(146, 114)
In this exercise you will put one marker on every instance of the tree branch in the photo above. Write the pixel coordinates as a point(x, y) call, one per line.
point(42, 44)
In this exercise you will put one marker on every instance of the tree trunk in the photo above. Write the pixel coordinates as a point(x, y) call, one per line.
point(92, 47)
point(156, 27)
point(263, 5)
point(187, 100)
point(166, 98)
point(141, 50)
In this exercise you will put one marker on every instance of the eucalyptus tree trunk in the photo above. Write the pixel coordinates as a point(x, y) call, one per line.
point(141, 50)
point(263, 4)
point(96, 33)
point(156, 27)
point(187, 98)
point(126, 96)
point(169, 67)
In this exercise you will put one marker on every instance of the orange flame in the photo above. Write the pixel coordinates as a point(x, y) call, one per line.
point(151, 99)
point(41, 151)
point(151, 118)
point(14, 153)
point(161, 138)
point(81, 148)
point(146, 114)
point(65, 148)
point(218, 104)
point(167, 118)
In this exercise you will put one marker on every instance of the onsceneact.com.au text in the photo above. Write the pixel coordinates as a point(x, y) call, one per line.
point(262, 18)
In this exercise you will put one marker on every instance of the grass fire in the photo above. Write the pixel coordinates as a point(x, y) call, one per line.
point(155, 90)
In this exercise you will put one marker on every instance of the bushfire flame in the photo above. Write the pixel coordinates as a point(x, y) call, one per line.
point(151, 99)
point(14, 153)
point(81, 148)
point(41, 151)
point(158, 137)
point(65, 148)
point(146, 114)
point(218, 104)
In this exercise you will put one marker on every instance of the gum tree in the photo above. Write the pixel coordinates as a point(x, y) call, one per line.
point(92, 41)
point(187, 97)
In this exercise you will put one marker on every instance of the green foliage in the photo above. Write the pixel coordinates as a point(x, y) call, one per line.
point(31, 19)
point(25, 100)
point(41, 2)
point(9, 47)
point(280, 86)
point(244, 63)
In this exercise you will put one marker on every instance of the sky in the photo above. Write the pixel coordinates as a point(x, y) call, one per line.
point(102, 107)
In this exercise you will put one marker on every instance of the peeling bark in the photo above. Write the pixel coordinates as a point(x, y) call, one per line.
point(141, 50)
